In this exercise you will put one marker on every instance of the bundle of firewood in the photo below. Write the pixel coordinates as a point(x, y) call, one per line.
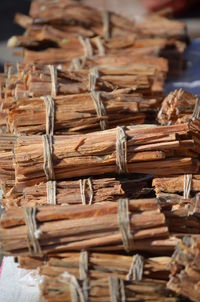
point(178, 107)
point(163, 151)
point(129, 225)
point(82, 191)
point(67, 288)
point(100, 265)
point(177, 186)
point(79, 31)
point(185, 268)
point(38, 80)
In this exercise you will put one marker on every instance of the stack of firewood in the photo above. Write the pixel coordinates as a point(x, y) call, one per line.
point(99, 173)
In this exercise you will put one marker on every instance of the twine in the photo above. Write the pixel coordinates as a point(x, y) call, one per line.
point(106, 25)
point(83, 183)
point(77, 64)
point(99, 107)
point(50, 114)
point(100, 46)
point(83, 270)
point(33, 233)
point(87, 46)
point(124, 224)
point(75, 289)
point(117, 290)
point(53, 73)
point(48, 152)
point(51, 192)
point(196, 112)
point(187, 185)
point(121, 150)
point(136, 270)
point(93, 77)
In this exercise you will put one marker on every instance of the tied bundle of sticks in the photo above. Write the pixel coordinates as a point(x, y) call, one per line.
point(63, 19)
point(40, 80)
point(57, 44)
point(163, 151)
point(183, 186)
point(83, 191)
point(66, 287)
point(185, 268)
point(128, 225)
point(171, 50)
point(78, 113)
point(101, 265)
point(7, 171)
point(179, 107)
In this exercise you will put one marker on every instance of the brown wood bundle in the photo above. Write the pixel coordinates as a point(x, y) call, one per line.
point(101, 265)
point(171, 50)
point(62, 19)
point(126, 225)
point(36, 80)
point(66, 288)
point(78, 113)
point(168, 150)
point(182, 216)
point(7, 171)
point(177, 107)
point(174, 186)
point(185, 268)
point(83, 191)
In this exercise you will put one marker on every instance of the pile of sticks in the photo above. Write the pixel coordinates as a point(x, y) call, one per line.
point(185, 268)
point(96, 165)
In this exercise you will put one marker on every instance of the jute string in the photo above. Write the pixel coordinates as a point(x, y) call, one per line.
point(100, 47)
point(136, 270)
point(50, 114)
point(51, 192)
point(124, 224)
point(106, 25)
point(196, 112)
point(117, 290)
point(99, 107)
point(121, 150)
point(83, 184)
point(187, 185)
point(88, 50)
point(75, 289)
point(33, 233)
point(48, 152)
point(77, 64)
point(53, 74)
point(83, 270)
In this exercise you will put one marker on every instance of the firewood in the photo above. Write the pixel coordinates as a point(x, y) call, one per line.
point(177, 185)
point(100, 265)
point(185, 268)
point(99, 227)
point(106, 289)
point(83, 191)
point(177, 107)
point(162, 151)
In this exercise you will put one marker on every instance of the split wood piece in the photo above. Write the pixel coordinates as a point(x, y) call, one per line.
point(182, 216)
point(177, 107)
point(36, 80)
point(83, 191)
point(7, 171)
point(79, 113)
point(136, 225)
point(175, 185)
point(66, 288)
point(101, 265)
point(185, 268)
point(146, 149)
